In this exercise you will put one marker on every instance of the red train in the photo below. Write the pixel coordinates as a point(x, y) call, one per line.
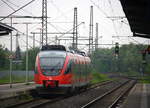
point(59, 69)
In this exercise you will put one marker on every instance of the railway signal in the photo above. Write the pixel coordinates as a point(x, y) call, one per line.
point(144, 52)
point(116, 49)
point(144, 56)
point(148, 49)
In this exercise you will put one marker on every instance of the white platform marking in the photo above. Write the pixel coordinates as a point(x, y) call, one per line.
point(144, 97)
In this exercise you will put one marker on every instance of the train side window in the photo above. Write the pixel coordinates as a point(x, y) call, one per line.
point(84, 71)
point(88, 68)
point(81, 67)
point(69, 67)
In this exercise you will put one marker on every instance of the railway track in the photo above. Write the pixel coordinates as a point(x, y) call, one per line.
point(14, 83)
point(35, 103)
point(63, 102)
point(39, 102)
point(111, 98)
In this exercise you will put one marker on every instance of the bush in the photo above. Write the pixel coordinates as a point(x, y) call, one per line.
point(98, 77)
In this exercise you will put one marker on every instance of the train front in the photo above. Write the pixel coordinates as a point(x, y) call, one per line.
point(49, 69)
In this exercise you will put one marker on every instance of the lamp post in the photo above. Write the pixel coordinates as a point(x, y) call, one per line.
point(10, 71)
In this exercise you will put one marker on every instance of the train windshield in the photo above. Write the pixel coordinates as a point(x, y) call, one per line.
point(52, 62)
point(52, 59)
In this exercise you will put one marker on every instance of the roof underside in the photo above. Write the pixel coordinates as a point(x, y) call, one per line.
point(5, 29)
point(138, 15)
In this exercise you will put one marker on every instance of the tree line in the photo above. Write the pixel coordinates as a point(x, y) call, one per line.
point(129, 61)
point(5, 59)
point(104, 60)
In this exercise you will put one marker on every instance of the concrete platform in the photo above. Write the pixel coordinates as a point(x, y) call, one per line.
point(17, 89)
point(139, 97)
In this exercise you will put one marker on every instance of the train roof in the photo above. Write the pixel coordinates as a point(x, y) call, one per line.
point(52, 54)
point(61, 48)
point(54, 47)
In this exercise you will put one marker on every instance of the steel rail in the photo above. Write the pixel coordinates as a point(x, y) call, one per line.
point(105, 94)
point(113, 105)
point(53, 101)
point(39, 102)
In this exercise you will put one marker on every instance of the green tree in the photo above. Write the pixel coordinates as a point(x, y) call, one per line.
point(129, 60)
point(4, 61)
point(32, 56)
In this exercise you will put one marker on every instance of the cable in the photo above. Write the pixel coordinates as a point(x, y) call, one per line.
point(135, 40)
point(115, 29)
point(1, 4)
point(68, 31)
point(19, 6)
point(34, 26)
point(105, 15)
point(59, 10)
point(54, 27)
point(17, 10)
point(99, 8)
point(31, 37)
point(112, 19)
point(8, 5)
point(61, 15)
point(25, 43)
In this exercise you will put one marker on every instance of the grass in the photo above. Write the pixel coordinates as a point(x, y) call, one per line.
point(98, 77)
point(145, 79)
point(15, 79)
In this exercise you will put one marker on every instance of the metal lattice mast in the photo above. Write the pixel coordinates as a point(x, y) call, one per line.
point(17, 53)
point(17, 42)
point(44, 22)
point(75, 34)
point(96, 39)
point(91, 31)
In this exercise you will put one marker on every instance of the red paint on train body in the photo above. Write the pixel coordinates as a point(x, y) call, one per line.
point(57, 68)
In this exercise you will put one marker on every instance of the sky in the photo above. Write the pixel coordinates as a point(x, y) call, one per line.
point(61, 18)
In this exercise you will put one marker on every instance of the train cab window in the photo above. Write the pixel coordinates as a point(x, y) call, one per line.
point(51, 65)
point(52, 62)
point(69, 67)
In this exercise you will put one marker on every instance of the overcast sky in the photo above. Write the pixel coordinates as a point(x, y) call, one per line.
point(62, 11)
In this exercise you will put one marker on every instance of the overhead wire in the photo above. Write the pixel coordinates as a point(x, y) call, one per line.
point(34, 26)
point(69, 30)
point(58, 9)
point(54, 27)
point(19, 6)
point(31, 37)
point(70, 10)
point(135, 40)
point(115, 28)
point(1, 4)
point(26, 43)
point(114, 15)
point(24, 11)
point(99, 8)
point(105, 12)
point(8, 5)
point(17, 10)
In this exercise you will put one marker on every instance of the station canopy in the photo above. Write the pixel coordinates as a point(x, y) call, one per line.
point(138, 15)
point(5, 29)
